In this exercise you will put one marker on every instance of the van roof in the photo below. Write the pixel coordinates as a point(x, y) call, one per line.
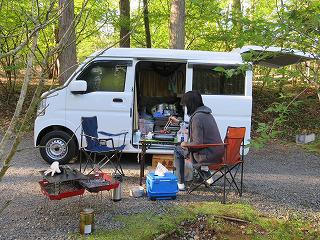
point(169, 54)
point(282, 58)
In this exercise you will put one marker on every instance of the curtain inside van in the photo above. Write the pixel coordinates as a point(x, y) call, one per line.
point(156, 85)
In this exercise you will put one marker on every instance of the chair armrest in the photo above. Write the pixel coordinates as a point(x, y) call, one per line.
point(199, 146)
point(100, 140)
point(92, 137)
point(103, 141)
point(112, 135)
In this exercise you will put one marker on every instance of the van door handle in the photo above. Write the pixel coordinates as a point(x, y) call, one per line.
point(117, 100)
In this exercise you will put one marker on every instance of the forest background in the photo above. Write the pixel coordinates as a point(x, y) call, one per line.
point(285, 101)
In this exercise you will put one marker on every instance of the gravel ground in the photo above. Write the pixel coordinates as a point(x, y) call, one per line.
point(279, 180)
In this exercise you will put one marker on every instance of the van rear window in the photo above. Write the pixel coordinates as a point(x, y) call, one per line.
point(208, 81)
point(104, 76)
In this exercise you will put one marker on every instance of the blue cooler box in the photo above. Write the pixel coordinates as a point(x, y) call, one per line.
point(162, 187)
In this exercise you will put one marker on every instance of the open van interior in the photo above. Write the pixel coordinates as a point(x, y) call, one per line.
point(159, 87)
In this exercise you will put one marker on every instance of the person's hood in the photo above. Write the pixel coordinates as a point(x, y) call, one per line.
point(203, 109)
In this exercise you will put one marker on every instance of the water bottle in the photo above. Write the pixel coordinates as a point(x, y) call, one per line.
point(138, 136)
point(116, 194)
point(181, 132)
point(186, 136)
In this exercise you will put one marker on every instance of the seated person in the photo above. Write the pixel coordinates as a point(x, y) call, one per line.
point(203, 129)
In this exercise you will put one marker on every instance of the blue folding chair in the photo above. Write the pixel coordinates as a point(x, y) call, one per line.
point(98, 146)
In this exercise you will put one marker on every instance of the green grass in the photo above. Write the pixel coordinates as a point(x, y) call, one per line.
point(147, 226)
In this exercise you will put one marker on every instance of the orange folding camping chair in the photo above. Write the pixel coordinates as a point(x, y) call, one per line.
point(231, 165)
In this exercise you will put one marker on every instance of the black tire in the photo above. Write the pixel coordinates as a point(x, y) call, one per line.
point(54, 147)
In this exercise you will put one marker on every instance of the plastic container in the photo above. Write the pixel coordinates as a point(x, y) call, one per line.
point(162, 187)
point(136, 191)
point(149, 136)
point(186, 136)
point(137, 136)
point(146, 126)
point(182, 134)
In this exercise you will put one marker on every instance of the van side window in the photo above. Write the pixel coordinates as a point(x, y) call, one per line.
point(208, 81)
point(104, 76)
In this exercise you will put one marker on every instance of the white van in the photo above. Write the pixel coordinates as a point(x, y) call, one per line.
point(121, 83)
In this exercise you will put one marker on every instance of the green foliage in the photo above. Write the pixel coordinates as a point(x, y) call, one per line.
point(276, 116)
point(241, 69)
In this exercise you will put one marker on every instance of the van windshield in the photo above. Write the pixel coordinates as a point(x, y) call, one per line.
point(104, 76)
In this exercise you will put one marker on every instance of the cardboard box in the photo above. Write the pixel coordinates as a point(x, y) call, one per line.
point(165, 160)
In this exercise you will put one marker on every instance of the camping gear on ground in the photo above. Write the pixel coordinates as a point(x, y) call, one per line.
point(63, 185)
point(99, 146)
point(136, 191)
point(165, 159)
point(71, 182)
point(232, 163)
point(116, 193)
point(97, 182)
point(161, 187)
point(86, 221)
point(188, 170)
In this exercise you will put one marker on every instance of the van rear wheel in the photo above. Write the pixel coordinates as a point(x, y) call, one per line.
point(57, 146)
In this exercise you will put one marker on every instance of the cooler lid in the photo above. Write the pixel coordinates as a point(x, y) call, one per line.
point(168, 176)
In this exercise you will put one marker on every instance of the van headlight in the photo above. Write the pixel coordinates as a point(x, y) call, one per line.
point(41, 108)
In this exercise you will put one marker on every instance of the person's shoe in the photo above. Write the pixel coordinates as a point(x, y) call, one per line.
point(181, 187)
point(210, 181)
point(200, 180)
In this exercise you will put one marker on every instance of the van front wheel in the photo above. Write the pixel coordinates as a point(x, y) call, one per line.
point(57, 146)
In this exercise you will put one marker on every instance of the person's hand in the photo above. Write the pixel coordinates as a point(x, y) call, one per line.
point(183, 145)
point(173, 119)
point(54, 168)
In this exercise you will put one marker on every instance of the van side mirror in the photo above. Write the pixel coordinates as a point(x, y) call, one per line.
point(79, 86)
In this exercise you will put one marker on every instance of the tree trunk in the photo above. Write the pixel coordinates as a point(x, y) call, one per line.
point(236, 14)
point(177, 22)
point(68, 55)
point(146, 23)
point(124, 23)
